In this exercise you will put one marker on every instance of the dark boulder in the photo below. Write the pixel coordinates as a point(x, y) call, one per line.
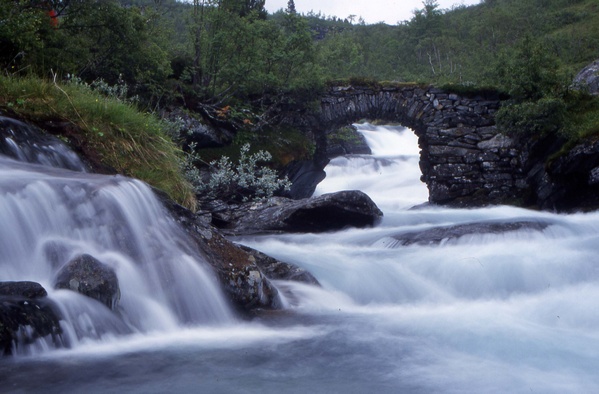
point(244, 284)
point(243, 281)
point(347, 141)
point(437, 235)
point(304, 176)
point(26, 314)
point(23, 289)
point(558, 181)
point(329, 212)
point(88, 276)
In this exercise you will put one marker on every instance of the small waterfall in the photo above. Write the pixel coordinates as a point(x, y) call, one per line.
point(25, 143)
point(50, 215)
point(390, 176)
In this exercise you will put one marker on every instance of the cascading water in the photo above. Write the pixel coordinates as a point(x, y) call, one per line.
point(485, 311)
point(50, 215)
point(477, 311)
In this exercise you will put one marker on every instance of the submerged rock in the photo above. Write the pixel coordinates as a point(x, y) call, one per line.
point(27, 143)
point(279, 270)
point(329, 212)
point(92, 278)
point(437, 235)
point(26, 314)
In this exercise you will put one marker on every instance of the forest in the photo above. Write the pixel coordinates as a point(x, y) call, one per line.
point(225, 50)
point(234, 60)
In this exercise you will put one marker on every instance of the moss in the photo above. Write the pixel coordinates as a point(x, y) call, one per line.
point(470, 91)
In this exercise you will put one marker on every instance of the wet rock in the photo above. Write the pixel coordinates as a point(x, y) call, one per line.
point(304, 176)
point(92, 278)
point(29, 144)
point(437, 235)
point(278, 270)
point(243, 281)
point(26, 314)
point(329, 212)
point(195, 130)
point(347, 141)
point(244, 284)
point(23, 289)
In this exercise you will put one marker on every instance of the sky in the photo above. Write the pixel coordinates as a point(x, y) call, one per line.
point(373, 11)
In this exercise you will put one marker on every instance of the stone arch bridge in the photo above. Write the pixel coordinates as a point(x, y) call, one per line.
point(464, 159)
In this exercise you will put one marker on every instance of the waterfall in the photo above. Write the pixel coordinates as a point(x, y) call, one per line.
point(50, 215)
point(390, 176)
point(432, 300)
point(28, 144)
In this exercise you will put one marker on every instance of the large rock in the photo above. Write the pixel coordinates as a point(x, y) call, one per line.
point(437, 235)
point(246, 287)
point(196, 130)
point(279, 270)
point(346, 141)
point(329, 212)
point(92, 278)
point(23, 289)
point(304, 176)
point(571, 181)
point(243, 281)
point(588, 78)
point(26, 314)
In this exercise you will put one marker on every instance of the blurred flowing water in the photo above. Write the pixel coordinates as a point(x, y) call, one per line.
point(479, 313)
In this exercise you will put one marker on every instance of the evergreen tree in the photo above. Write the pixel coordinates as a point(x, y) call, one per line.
point(290, 7)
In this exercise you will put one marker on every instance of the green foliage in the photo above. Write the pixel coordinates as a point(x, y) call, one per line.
point(243, 55)
point(133, 143)
point(20, 26)
point(247, 180)
point(547, 115)
point(528, 72)
point(461, 45)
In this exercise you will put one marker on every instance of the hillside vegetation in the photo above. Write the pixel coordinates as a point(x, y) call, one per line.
point(231, 59)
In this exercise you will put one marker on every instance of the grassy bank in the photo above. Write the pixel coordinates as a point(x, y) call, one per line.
point(134, 143)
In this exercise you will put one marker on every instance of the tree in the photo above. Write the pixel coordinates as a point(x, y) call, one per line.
point(290, 7)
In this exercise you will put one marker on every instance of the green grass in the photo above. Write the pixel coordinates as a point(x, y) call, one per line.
point(132, 142)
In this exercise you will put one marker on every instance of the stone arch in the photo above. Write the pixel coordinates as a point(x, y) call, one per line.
point(464, 159)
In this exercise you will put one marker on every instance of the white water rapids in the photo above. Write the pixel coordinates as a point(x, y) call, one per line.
point(486, 313)
point(514, 312)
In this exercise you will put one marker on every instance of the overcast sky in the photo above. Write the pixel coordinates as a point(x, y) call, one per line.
point(373, 11)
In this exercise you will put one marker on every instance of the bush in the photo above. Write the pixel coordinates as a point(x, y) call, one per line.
point(547, 115)
point(245, 181)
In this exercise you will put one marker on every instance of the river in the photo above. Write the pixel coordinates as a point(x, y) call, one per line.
point(490, 312)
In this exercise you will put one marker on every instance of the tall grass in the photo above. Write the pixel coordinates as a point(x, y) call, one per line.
point(134, 143)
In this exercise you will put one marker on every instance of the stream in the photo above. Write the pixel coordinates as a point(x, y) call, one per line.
point(482, 312)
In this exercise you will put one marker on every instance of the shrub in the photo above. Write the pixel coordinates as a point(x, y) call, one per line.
point(247, 180)
point(547, 115)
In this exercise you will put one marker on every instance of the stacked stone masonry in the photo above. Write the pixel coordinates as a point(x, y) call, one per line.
point(464, 159)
